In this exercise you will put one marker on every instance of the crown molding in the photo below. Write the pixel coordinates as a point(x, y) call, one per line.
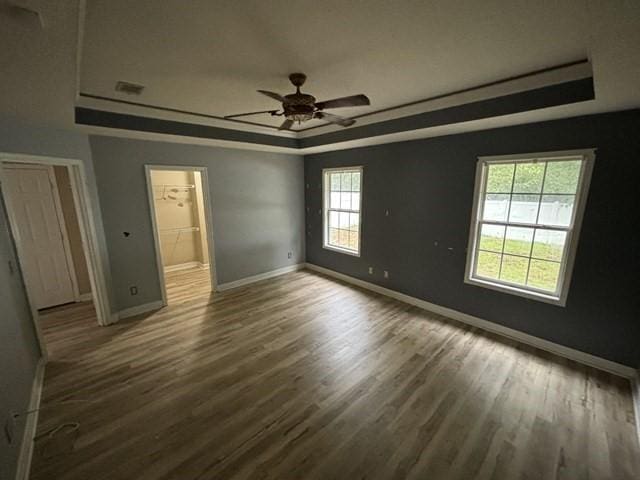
point(530, 81)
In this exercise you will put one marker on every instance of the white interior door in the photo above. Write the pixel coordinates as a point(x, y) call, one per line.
point(38, 232)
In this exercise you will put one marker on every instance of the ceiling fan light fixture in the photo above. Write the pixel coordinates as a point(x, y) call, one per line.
point(299, 117)
point(302, 107)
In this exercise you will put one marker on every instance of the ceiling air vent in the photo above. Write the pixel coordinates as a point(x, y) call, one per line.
point(129, 88)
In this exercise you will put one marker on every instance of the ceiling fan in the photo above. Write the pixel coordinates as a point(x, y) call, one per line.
point(300, 107)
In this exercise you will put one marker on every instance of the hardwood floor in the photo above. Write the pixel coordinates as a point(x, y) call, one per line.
point(188, 284)
point(303, 377)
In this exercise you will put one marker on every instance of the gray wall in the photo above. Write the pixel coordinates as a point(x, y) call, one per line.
point(19, 137)
point(19, 351)
point(257, 201)
point(427, 185)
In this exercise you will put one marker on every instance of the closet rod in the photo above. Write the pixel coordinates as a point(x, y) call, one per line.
point(180, 229)
point(174, 185)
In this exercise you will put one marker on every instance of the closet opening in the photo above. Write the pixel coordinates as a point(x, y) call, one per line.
point(181, 218)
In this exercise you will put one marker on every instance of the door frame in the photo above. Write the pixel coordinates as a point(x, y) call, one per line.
point(88, 232)
point(57, 205)
point(208, 218)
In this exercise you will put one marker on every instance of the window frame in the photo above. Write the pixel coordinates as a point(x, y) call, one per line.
point(573, 230)
point(325, 209)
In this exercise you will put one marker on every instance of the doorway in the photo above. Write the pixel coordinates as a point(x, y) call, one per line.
point(50, 217)
point(181, 219)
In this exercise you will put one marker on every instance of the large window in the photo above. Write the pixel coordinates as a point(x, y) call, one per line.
point(342, 208)
point(525, 225)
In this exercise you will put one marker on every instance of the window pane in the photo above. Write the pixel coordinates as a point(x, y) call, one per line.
point(500, 178)
point(335, 182)
point(543, 275)
point(333, 236)
point(344, 220)
point(524, 208)
point(345, 200)
point(354, 221)
point(549, 244)
point(344, 238)
point(528, 178)
point(355, 182)
point(514, 269)
point(496, 207)
point(345, 184)
point(491, 237)
point(562, 176)
point(518, 241)
point(353, 240)
point(556, 210)
point(355, 201)
point(333, 219)
point(335, 200)
point(488, 265)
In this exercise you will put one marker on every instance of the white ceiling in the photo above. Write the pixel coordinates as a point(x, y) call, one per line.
point(38, 65)
point(210, 57)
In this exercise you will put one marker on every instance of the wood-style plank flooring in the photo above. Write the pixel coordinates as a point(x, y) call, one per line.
point(186, 285)
point(303, 377)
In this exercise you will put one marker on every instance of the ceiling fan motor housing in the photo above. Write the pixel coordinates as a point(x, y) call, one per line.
point(299, 107)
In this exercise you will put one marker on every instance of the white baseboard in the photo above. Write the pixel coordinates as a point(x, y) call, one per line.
point(139, 309)
point(182, 266)
point(561, 350)
point(85, 297)
point(31, 424)
point(260, 276)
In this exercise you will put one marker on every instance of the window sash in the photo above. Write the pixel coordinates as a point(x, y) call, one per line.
point(327, 209)
point(568, 251)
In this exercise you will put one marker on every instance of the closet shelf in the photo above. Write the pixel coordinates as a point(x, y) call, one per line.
point(170, 185)
point(180, 230)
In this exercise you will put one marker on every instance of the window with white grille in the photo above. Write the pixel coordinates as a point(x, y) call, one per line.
point(342, 209)
point(525, 224)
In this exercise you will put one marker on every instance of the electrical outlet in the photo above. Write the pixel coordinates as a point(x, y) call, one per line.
point(289, 255)
point(133, 290)
point(386, 274)
point(370, 270)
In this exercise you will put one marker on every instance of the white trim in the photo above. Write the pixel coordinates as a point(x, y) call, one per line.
point(525, 338)
point(208, 217)
point(507, 87)
point(573, 231)
point(31, 423)
point(172, 138)
point(182, 266)
point(261, 276)
point(326, 192)
point(139, 309)
point(88, 232)
point(84, 297)
point(159, 113)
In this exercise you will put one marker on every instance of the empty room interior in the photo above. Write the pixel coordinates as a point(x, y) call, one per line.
point(348, 239)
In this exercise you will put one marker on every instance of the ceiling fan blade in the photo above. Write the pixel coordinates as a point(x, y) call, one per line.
point(329, 117)
point(286, 125)
point(272, 112)
point(275, 96)
point(352, 101)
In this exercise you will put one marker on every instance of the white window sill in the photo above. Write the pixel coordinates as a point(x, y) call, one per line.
point(541, 297)
point(341, 250)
